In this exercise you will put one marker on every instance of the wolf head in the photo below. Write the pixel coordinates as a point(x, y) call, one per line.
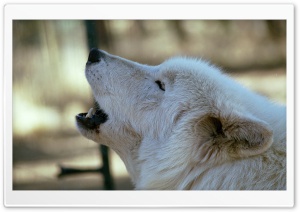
point(184, 111)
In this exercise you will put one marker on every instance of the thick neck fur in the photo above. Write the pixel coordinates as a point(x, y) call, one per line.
point(131, 162)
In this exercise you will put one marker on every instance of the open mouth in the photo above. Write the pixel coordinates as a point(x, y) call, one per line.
point(92, 119)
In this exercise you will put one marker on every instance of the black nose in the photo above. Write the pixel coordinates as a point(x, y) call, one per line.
point(95, 55)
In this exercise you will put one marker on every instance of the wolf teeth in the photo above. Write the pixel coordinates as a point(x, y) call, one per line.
point(90, 113)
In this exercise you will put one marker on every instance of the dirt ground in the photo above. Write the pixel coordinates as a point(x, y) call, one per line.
point(37, 158)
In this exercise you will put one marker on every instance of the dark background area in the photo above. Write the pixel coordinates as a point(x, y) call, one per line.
point(49, 86)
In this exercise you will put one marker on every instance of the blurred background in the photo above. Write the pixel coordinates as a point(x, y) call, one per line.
point(49, 85)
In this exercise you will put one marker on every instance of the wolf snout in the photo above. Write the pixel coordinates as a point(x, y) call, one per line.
point(95, 56)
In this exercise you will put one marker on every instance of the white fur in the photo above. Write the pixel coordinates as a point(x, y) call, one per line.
point(205, 131)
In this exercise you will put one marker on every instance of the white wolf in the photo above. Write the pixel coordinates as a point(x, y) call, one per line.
point(184, 124)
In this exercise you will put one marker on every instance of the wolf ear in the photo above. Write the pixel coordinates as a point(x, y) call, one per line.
point(237, 135)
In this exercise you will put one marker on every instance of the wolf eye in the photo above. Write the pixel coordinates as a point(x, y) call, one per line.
point(160, 84)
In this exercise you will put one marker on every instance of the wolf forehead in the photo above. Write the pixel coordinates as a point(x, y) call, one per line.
point(188, 68)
